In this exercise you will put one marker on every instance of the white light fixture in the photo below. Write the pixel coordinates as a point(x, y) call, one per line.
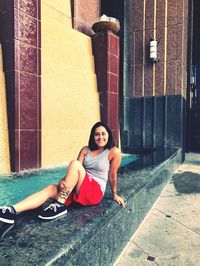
point(153, 51)
point(193, 75)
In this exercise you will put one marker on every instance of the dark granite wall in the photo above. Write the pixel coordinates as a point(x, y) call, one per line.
point(155, 122)
point(153, 113)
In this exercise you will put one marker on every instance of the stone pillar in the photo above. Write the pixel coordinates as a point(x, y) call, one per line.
point(20, 37)
point(106, 56)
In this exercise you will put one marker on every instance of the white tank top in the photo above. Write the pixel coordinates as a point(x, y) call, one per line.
point(98, 167)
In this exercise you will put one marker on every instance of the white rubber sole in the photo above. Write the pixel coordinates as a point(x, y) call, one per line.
point(7, 221)
point(52, 217)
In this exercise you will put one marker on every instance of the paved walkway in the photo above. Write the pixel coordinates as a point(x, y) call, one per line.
point(170, 234)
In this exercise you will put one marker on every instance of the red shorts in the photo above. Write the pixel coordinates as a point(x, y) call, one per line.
point(90, 193)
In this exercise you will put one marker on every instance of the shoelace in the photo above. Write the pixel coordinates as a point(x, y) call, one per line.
point(52, 207)
point(4, 209)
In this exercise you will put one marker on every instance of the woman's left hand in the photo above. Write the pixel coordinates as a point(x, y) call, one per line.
point(119, 200)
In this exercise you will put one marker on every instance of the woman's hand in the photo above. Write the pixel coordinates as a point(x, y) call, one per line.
point(119, 200)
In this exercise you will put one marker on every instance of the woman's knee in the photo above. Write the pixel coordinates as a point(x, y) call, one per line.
point(76, 164)
point(53, 189)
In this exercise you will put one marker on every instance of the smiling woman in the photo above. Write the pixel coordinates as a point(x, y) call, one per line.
point(101, 132)
point(101, 137)
point(84, 183)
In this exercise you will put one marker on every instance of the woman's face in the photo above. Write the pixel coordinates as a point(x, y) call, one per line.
point(101, 137)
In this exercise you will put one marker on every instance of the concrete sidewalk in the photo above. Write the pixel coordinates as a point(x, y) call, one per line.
point(170, 233)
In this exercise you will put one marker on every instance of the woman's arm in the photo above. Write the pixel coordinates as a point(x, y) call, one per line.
point(115, 159)
point(82, 154)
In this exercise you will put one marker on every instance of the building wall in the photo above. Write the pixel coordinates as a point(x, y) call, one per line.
point(20, 39)
point(66, 104)
point(85, 13)
point(51, 87)
point(154, 93)
point(4, 143)
point(69, 97)
point(165, 21)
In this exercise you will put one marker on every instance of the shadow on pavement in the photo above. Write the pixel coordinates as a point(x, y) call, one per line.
point(187, 182)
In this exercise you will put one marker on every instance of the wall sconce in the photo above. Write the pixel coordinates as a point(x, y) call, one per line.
point(193, 74)
point(153, 51)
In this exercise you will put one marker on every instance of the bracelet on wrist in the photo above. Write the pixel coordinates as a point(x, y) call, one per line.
point(114, 193)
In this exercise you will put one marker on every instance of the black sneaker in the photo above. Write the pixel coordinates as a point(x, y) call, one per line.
point(7, 214)
point(53, 211)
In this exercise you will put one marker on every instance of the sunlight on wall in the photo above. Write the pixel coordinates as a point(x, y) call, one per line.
point(4, 144)
point(70, 101)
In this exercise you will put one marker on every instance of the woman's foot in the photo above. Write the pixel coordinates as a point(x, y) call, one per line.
point(7, 214)
point(53, 211)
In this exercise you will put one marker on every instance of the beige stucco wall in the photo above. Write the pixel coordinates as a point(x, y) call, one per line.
point(70, 101)
point(4, 144)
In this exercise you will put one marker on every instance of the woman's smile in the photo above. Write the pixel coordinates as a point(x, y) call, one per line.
point(101, 136)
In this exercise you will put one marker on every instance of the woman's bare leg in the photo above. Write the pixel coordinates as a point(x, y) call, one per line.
point(37, 199)
point(73, 180)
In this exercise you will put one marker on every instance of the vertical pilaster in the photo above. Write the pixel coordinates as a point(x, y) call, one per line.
point(106, 54)
point(20, 36)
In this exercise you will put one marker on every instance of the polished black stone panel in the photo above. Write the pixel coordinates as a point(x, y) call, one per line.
point(155, 122)
point(150, 193)
point(148, 121)
point(91, 235)
point(159, 111)
point(125, 117)
point(135, 118)
point(184, 129)
point(124, 137)
point(173, 121)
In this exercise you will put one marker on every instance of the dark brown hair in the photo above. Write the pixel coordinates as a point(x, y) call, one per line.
point(92, 145)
